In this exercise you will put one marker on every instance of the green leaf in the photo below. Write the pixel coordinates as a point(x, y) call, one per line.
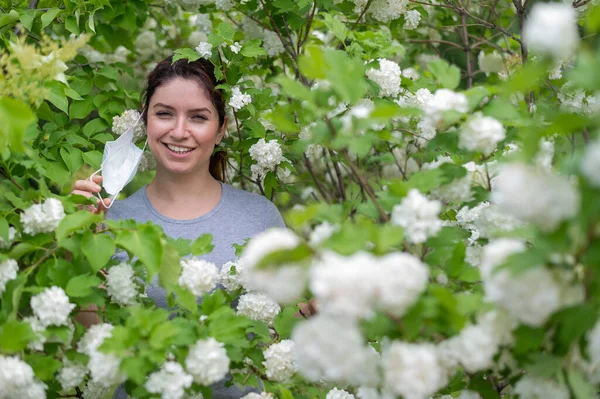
point(226, 30)
point(285, 321)
point(11, 17)
point(213, 302)
point(81, 109)
point(15, 335)
point(78, 220)
point(528, 339)
point(49, 16)
point(16, 116)
point(92, 158)
point(82, 285)
point(27, 17)
point(137, 368)
point(573, 322)
point(56, 96)
point(170, 269)
point(270, 183)
point(72, 25)
point(312, 62)
point(186, 53)
point(186, 299)
point(448, 76)
point(44, 366)
point(581, 388)
point(95, 126)
point(145, 243)
point(98, 249)
point(202, 245)
point(336, 26)
point(253, 49)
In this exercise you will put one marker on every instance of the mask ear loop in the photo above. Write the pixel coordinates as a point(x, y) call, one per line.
point(112, 197)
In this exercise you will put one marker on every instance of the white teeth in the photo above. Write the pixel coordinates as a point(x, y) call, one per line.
point(180, 150)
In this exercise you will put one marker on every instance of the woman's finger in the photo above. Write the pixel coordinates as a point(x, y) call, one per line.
point(86, 185)
point(103, 205)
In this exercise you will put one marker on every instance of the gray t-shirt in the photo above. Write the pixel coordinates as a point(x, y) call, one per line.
point(238, 215)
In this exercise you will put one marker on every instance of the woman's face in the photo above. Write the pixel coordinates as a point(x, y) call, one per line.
point(183, 127)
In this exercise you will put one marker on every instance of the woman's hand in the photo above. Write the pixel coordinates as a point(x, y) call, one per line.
point(89, 188)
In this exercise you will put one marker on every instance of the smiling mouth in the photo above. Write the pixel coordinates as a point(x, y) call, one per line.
point(178, 149)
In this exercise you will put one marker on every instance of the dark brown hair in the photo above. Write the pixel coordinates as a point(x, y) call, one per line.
point(202, 71)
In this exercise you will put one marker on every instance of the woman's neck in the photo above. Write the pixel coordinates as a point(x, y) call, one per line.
point(184, 196)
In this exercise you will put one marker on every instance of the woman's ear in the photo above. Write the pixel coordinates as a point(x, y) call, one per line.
point(222, 131)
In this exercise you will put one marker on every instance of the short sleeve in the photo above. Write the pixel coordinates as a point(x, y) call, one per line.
point(272, 217)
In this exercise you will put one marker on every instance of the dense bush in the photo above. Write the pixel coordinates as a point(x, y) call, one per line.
point(437, 164)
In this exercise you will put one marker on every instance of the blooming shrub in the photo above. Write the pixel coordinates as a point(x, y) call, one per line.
point(437, 165)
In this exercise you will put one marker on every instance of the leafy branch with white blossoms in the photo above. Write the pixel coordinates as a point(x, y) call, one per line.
point(437, 164)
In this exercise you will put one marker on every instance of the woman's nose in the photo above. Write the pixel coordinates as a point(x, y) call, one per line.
point(180, 130)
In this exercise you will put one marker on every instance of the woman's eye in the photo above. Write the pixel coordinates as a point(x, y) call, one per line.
point(201, 117)
point(163, 113)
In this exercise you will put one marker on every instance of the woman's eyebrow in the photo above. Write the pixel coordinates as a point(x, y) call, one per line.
point(204, 109)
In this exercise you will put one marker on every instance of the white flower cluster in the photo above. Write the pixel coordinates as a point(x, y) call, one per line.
point(418, 216)
point(8, 272)
point(491, 63)
point(121, 284)
point(127, 120)
point(262, 395)
point(413, 370)
point(354, 286)
point(207, 361)
point(232, 282)
point(383, 10)
point(38, 329)
point(272, 43)
point(170, 381)
point(481, 133)
point(537, 387)
point(339, 394)
point(146, 44)
point(590, 164)
point(12, 233)
point(551, 28)
point(387, 77)
point(235, 47)
point(93, 390)
point(224, 5)
point(267, 156)
point(198, 276)
point(238, 99)
point(333, 349)
point(321, 233)
point(202, 23)
point(530, 296)
point(476, 345)
point(577, 100)
point(43, 218)
point(258, 306)
point(284, 284)
point(484, 220)
point(103, 367)
point(71, 376)
point(535, 196)
point(412, 19)
point(52, 307)
point(444, 100)
point(459, 190)
point(593, 349)
point(279, 361)
point(204, 49)
point(17, 380)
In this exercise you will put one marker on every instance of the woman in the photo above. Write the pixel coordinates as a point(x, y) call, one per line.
point(185, 119)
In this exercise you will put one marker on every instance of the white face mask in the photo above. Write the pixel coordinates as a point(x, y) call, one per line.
point(119, 162)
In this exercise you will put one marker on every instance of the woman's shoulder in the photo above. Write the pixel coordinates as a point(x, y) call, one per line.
point(128, 208)
point(254, 206)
